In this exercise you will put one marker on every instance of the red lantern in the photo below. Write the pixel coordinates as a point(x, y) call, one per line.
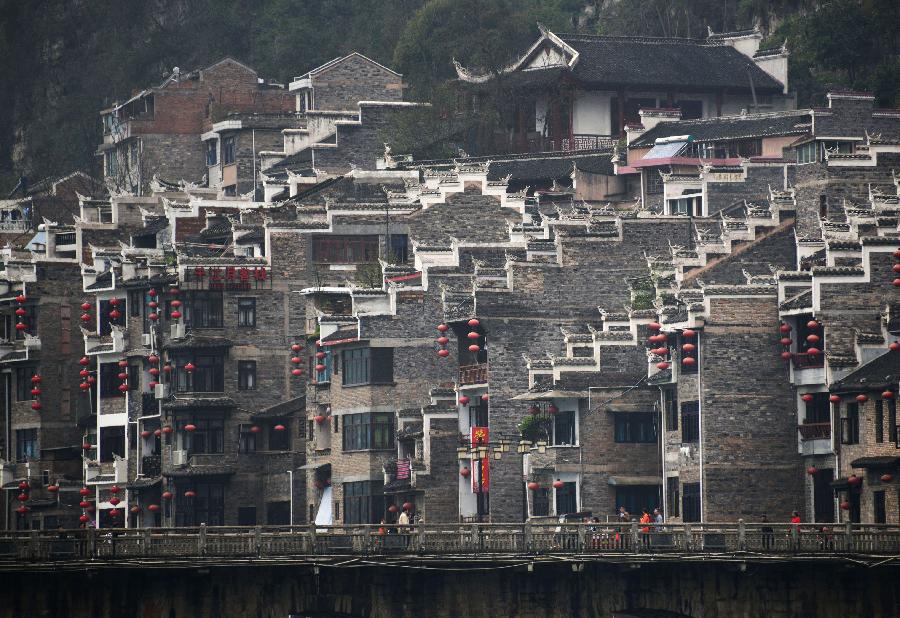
point(20, 312)
point(887, 395)
point(813, 338)
point(84, 373)
point(190, 494)
point(23, 485)
point(320, 368)
point(813, 351)
point(35, 392)
point(473, 323)
point(167, 368)
point(689, 347)
point(153, 371)
point(296, 347)
point(473, 335)
point(407, 506)
point(532, 486)
point(174, 291)
point(834, 398)
point(157, 433)
point(135, 509)
point(153, 508)
point(36, 405)
point(84, 361)
point(84, 519)
point(654, 326)
point(689, 334)
point(895, 346)
point(175, 303)
point(811, 470)
point(167, 429)
point(22, 510)
point(785, 328)
point(255, 429)
point(443, 340)
point(845, 506)
point(660, 351)
point(688, 361)
point(153, 304)
point(189, 367)
point(167, 495)
point(190, 427)
point(887, 478)
point(854, 480)
point(21, 298)
point(786, 356)
point(485, 397)
point(85, 317)
point(465, 472)
point(84, 491)
point(279, 427)
point(558, 484)
point(146, 433)
point(86, 306)
point(552, 409)
point(87, 446)
point(296, 360)
point(897, 268)
point(84, 386)
point(319, 419)
point(123, 388)
point(534, 410)
point(153, 359)
point(36, 379)
point(463, 401)
point(114, 489)
point(20, 326)
point(114, 501)
point(123, 376)
point(297, 372)
point(319, 355)
point(862, 398)
point(785, 341)
point(153, 317)
point(114, 302)
point(812, 325)
point(53, 488)
point(662, 366)
point(84, 504)
point(175, 315)
point(115, 314)
point(123, 363)
point(22, 497)
point(807, 397)
point(393, 508)
point(443, 328)
point(473, 348)
point(443, 353)
point(152, 293)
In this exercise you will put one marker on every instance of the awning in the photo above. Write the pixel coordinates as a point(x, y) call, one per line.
point(875, 462)
point(548, 395)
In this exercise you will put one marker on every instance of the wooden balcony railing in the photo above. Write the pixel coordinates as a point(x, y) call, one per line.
point(802, 360)
point(151, 547)
point(473, 374)
point(815, 431)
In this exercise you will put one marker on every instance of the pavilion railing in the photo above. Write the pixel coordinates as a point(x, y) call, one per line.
point(452, 540)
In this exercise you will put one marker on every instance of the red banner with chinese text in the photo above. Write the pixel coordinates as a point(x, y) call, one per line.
point(481, 479)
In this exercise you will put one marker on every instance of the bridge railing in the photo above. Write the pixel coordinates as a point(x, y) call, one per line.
point(448, 539)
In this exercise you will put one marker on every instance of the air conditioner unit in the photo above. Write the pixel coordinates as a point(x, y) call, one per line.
point(159, 391)
point(177, 331)
point(146, 339)
point(179, 457)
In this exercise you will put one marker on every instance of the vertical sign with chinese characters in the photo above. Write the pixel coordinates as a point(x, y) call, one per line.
point(482, 472)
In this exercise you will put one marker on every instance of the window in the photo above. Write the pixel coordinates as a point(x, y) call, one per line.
point(373, 430)
point(278, 513)
point(23, 383)
point(540, 502)
point(246, 375)
point(208, 375)
point(26, 444)
point(654, 182)
point(683, 206)
point(109, 380)
point(246, 439)
point(135, 302)
point(803, 331)
point(112, 163)
point(690, 502)
point(229, 191)
point(246, 515)
point(246, 312)
point(880, 513)
point(348, 249)
point(106, 322)
point(671, 406)
point(564, 428)
point(818, 410)
point(850, 425)
point(635, 427)
point(112, 442)
point(399, 248)
point(690, 422)
point(637, 497)
point(892, 422)
point(279, 440)
point(212, 156)
point(363, 502)
point(203, 310)
point(690, 110)
point(324, 375)
point(566, 499)
point(134, 377)
point(673, 498)
point(207, 439)
point(806, 153)
point(367, 366)
point(879, 420)
point(206, 507)
point(228, 150)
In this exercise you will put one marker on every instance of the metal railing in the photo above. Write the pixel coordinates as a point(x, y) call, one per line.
point(473, 374)
point(815, 431)
point(804, 360)
point(450, 540)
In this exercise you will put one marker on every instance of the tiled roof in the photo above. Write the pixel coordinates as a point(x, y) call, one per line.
point(658, 62)
point(103, 281)
point(729, 127)
point(881, 372)
point(279, 410)
point(152, 227)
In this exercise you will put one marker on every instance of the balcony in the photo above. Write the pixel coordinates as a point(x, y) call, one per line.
point(803, 360)
point(815, 431)
point(473, 374)
point(533, 142)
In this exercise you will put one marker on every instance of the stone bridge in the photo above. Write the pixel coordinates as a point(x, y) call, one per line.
point(697, 570)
